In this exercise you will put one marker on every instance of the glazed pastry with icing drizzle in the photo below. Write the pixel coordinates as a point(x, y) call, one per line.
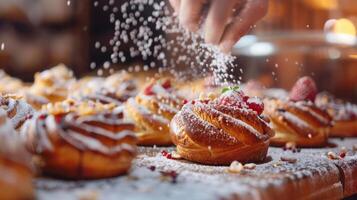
point(15, 169)
point(53, 84)
point(298, 120)
point(81, 141)
point(343, 113)
point(116, 89)
point(17, 109)
point(152, 111)
point(222, 130)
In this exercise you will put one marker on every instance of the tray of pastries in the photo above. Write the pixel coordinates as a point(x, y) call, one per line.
point(129, 137)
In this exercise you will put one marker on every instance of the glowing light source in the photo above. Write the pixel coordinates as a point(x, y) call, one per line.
point(340, 31)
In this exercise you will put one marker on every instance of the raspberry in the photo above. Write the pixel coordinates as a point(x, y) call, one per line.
point(304, 89)
point(148, 90)
point(231, 98)
point(255, 104)
point(166, 84)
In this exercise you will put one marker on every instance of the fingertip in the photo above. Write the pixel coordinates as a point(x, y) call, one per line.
point(226, 46)
point(193, 27)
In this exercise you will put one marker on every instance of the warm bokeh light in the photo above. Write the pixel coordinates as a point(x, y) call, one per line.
point(344, 26)
point(325, 4)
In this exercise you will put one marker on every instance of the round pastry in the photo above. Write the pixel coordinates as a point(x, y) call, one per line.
point(297, 119)
point(17, 109)
point(116, 89)
point(222, 130)
point(301, 123)
point(85, 141)
point(343, 113)
point(53, 84)
point(15, 170)
point(9, 84)
point(152, 111)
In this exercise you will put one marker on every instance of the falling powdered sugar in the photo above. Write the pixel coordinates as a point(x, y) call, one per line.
point(152, 31)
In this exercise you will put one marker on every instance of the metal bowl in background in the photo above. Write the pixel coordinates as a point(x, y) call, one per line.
point(279, 59)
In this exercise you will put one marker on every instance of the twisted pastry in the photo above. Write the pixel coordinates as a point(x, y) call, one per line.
point(220, 131)
point(152, 111)
point(17, 109)
point(53, 84)
point(301, 122)
point(343, 113)
point(15, 170)
point(116, 89)
point(81, 141)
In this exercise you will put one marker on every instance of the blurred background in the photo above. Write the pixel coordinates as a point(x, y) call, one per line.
point(296, 38)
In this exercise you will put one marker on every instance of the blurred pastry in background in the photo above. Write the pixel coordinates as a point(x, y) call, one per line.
point(255, 88)
point(343, 113)
point(53, 84)
point(16, 172)
point(298, 119)
point(74, 140)
point(152, 110)
point(222, 130)
point(192, 89)
point(17, 109)
point(8, 84)
point(117, 88)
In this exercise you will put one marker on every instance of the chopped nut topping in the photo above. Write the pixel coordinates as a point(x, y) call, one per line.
point(290, 145)
point(169, 175)
point(235, 167)
point(250, 166)
point(175, 155)
point(288, 159)
point(88, 195)
point(331, 155)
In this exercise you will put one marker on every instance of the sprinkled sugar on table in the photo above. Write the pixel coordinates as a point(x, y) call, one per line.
point(305, 174)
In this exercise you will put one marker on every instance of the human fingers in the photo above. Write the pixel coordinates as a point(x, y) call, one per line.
point(217, 19)
point(190, 13)
point(252, 11)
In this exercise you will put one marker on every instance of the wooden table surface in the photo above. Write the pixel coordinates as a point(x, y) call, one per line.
point(312, 176)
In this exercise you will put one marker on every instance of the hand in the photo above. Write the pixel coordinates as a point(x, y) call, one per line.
point(226, 21)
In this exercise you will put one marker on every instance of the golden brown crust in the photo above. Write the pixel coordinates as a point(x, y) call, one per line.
point(80, 144)
point(15, 169)
point(343, 113)
point(8, 84)
point(152, 112)
point(53, 84)
point(210, 133)
point(302, 123)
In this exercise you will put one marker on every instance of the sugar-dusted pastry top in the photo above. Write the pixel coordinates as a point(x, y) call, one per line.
point(302, 118)
point(337, 108)
point(53, 84)
point(17, 109)
point(221, 130)
point(152, 110)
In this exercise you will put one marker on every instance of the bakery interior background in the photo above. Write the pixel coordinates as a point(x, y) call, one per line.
point(297, 37)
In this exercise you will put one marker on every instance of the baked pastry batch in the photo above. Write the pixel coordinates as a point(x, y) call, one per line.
point(89, 128)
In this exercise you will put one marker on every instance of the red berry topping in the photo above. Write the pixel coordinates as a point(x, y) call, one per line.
point(304, 89)
point(58, 118)
point(166, 84)
point(255, 104)
point(166, 154)
point(42, 116)
point(185, 101)
point(148, 90)
point(231, 98)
